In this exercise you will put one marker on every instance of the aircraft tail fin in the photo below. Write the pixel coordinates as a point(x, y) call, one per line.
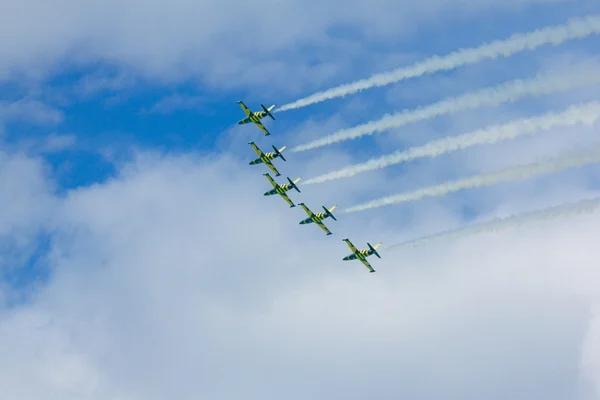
point(293, 184)
point(328, 212)
point(373, 249)
point(268, 110)
point(278, 152)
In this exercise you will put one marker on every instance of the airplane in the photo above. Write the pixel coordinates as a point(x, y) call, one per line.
point(281, 189)
point(266, 158)
point(362, 254)
point(317, 218)
point(256, 116)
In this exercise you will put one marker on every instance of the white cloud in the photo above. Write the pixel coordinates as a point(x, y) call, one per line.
point(31, 111)
point(43, 361)
point(55, 143)
point(176, 102)
point(26, 204)
point(218, 41)
point(100, 82)
point(179, 279)
point(591, 349)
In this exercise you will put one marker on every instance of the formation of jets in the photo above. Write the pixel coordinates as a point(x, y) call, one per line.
point(282, 189)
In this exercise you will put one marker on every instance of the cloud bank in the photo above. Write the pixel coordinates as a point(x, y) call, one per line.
point(156, 292)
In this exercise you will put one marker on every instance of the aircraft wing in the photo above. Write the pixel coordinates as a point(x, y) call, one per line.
point(246, 110)
point(286, 198)
point(257, 150)
point(367, 265)
point(307, 210)
point(271, 180)
point(272, 168)
point(262, 128)
point(322, 226)
point(349, 243)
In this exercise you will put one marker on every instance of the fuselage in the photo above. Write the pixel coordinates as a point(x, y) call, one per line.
point(266, 157)
point(280, 189)
point(317, 217)
point(254, 117)
point(360, 254)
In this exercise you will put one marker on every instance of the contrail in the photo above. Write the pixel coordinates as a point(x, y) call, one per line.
point(577, 114)
point(587, 206)
point(516, 173)
point(491, 96)
point(577, 28)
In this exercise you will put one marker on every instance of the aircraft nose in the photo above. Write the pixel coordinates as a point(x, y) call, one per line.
point(266, 194)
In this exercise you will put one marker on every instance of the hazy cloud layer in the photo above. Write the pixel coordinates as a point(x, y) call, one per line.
point(166, 285)
point(228, 42)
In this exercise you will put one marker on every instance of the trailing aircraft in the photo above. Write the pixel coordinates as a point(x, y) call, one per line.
point(362, 255)
point(281, 189)
point(256, 116)
point(266, 158)
point(317, 218)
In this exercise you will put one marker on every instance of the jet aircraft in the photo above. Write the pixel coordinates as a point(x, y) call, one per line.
point(256, 116)
point(362, 254)
point(281, 189)
point(317, 218)
point(267, 157)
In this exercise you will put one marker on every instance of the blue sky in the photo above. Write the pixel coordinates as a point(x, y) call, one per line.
point(140, 260)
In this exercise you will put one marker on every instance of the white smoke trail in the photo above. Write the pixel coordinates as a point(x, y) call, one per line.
point(577, 114)
point(578, 28)
point(516, 173)
point(565, 210)
point(491, 96)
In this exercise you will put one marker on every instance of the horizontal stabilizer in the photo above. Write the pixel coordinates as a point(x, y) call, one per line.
point(293, 184)
point(373, 250)
point(267, 110)
point(278, 152)
point(328, 212)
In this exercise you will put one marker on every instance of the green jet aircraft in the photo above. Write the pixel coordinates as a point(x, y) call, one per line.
point(318, 218)
point(266, 158)
point(281, 189)
point(362, 255)
point(256, 116)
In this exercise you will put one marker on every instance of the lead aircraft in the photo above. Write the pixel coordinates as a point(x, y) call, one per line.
point(256, 116)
